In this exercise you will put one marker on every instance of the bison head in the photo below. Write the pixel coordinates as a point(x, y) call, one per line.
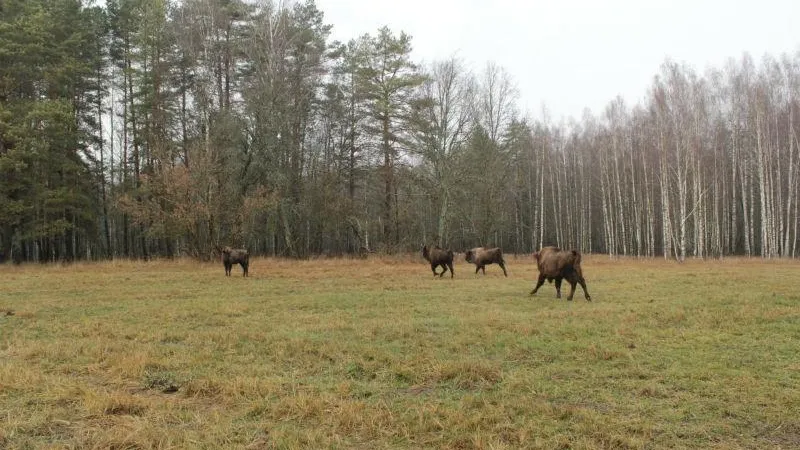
point(469, 255)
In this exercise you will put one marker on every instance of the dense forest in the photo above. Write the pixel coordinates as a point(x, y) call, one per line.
point(160, 128)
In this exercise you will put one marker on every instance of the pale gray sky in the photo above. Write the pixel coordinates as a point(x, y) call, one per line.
point(572, 54)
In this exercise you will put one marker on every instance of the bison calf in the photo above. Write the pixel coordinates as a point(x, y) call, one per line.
point(439, 257)
point(557, 264)
point(481, 257)
point(232, 256)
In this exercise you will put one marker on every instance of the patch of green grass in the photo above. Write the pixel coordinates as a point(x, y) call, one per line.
point(378, 354)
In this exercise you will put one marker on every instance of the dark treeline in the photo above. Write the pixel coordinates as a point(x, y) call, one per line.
point(150, 128)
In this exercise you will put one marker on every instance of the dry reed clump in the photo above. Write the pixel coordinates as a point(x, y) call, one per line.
point(468, 375)
point(100, 403)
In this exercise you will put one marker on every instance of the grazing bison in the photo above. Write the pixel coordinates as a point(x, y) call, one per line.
point(557, 264)
point(439, 257)
point(482, 256)
point(231, 256)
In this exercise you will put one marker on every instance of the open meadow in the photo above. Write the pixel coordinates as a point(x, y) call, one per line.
point(340, 353)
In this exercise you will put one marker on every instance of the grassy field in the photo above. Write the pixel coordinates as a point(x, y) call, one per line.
point(378, 354)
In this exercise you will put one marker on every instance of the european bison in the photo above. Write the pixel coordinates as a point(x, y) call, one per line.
point(439, 257)
point(557, 264)
point(482, 256)
point(232, 256)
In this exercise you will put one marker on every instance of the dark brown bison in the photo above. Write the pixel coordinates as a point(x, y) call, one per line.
point(231, 256)
point(482, 256)
point(557, 264)
point(439, 257)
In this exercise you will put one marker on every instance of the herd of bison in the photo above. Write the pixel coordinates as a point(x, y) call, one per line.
point(553, 263)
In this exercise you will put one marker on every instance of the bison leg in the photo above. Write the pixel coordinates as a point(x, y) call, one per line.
point(433, 268)
point(444, 269)
point(244, 268)
point(558, 287)
point(572, 280)
point(503, 266)
point(539, 284)
point(228, 267)
point(483, 269)
point(585, 292)
point(582, 281)
point(450, 265)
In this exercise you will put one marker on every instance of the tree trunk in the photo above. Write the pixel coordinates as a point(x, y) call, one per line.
point(388, 181)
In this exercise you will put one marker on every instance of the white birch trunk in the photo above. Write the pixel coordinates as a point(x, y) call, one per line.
point(541, 197)
point(666, 228)
point(606, 222)
point(637, 210)
point(762, 185)
point(620, 218)
point(791, 187)
point(682, 200)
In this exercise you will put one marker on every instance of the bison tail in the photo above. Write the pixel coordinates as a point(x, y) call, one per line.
point(577, 256)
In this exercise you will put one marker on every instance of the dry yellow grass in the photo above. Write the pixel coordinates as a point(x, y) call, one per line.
point(375, 353)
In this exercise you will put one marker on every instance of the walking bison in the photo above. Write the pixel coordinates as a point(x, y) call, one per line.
point(231, 256)
point(481, 257)
point(439, 257)
point(556, 264)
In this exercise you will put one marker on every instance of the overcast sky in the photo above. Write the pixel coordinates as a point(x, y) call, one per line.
point(576, 54)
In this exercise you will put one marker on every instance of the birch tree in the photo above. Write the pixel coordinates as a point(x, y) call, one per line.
point(442, 121)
